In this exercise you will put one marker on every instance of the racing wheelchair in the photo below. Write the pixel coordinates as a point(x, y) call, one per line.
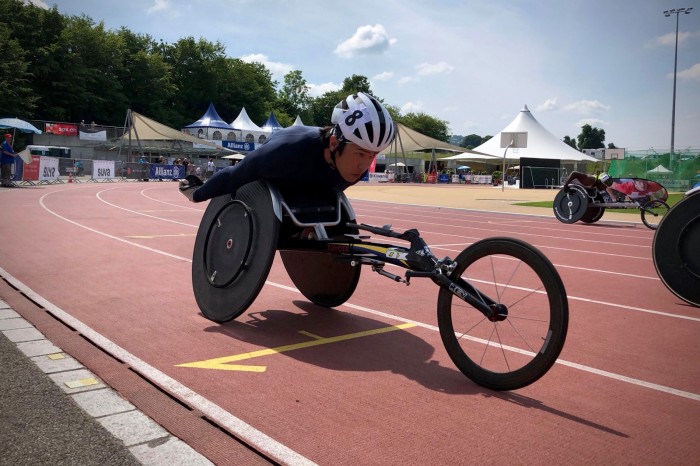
point(502, 309)
point(676, 249)
point(588, 204)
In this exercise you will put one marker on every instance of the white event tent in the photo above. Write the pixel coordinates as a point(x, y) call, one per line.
point(251, 132)
point(541, 144)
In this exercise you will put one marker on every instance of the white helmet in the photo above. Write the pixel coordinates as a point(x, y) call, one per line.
point(606, 179)
point(362, 120)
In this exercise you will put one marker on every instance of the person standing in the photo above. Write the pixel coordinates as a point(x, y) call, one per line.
point(7, 159)
point(210, 168)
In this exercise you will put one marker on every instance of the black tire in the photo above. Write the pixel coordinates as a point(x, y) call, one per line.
point(593, 214)
point(233, 252)
point(517, 351)
point(570, 207)
point(660, 208)
point(324, 279)
point(675, 249)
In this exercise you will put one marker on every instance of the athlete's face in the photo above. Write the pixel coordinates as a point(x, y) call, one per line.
point(353, 161)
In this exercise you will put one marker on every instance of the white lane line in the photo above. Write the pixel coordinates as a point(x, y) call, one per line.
point(213, 411)
point(228, 420)
point(233, 424)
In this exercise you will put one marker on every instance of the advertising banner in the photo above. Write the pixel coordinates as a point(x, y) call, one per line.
point(48, 169)
point(103, 169)
point(93, 134)
point(238, 145)
point(167, 172)
point(64, 129)
point(136, 171)
point(378, 177)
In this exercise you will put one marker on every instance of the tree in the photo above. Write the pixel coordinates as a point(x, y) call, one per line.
point(591, 138)
point(570, 142)
point(294, 97)
point(471, 141)
point(426, 124)
point(612, 145)
point(356, 83)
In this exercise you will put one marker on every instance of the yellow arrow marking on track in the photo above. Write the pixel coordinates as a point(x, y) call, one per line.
point(223, 363)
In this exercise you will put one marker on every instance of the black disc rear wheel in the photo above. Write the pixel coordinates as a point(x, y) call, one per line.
point(675, 249)
point(514, 351)
point(233, 251)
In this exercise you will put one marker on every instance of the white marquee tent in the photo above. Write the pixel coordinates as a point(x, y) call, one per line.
point(541, 144)
point(251, 131)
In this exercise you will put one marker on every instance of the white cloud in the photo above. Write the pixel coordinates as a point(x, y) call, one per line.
point(412, 107)
point(277, 69)
point(586, 107)
point(38, 3)
point(366, 40)
point(406, 79)
point(549, 104)
point(670, 38)
point(316, 90)
point(425, 69)
point(692, 73)
point(159, 5)
point(385, 76)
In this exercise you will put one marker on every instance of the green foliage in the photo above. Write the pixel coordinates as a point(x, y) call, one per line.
point(293, 98)
point(471, 141)
point(426, 124)
point(571, 142)
point(591, 138)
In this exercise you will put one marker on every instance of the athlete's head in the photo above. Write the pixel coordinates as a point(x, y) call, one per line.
point(362, 128)
point(605, 179)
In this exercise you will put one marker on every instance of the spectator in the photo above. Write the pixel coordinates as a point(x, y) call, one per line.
point(210, 168)
point(7, 159)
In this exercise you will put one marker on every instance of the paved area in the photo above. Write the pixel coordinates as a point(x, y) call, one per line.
point(54, 411)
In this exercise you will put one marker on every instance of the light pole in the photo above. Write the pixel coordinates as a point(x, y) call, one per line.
point(668, 13)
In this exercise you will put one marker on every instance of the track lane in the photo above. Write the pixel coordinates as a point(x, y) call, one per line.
point(410, 364)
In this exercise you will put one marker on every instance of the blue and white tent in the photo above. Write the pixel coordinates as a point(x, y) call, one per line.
point(272, 124)
point(212, 126)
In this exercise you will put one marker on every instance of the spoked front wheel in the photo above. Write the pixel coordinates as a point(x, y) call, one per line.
point(518, 346)
point(653, 213)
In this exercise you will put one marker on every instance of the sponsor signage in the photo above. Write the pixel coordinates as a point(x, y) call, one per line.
point(64, 129)
point(238, 145)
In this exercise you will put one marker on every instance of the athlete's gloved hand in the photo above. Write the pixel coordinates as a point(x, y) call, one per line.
point(189, 185)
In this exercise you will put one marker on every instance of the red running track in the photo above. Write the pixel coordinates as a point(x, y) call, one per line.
point(114, 261)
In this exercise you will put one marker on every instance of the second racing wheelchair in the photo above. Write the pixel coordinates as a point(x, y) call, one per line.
point(587, 202)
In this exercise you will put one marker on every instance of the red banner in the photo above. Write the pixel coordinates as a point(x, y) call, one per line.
point(31, 171)
point(64, 129)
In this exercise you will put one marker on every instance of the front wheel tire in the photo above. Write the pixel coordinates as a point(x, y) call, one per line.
point(516, 351)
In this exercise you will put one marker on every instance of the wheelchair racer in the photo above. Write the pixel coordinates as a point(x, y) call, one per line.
point(602, 182)
point(335, 157)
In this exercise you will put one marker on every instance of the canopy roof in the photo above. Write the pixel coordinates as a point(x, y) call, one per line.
point(272, 124)
point(659, 169)
point(210, 119)
point(243, 122)
point(298, 122)
point(408, 140)
point(541, 144)
point(144, 129)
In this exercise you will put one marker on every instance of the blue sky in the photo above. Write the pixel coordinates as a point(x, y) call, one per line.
point(472, 63)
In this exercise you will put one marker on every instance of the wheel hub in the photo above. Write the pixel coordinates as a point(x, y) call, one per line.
point(499, 312)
